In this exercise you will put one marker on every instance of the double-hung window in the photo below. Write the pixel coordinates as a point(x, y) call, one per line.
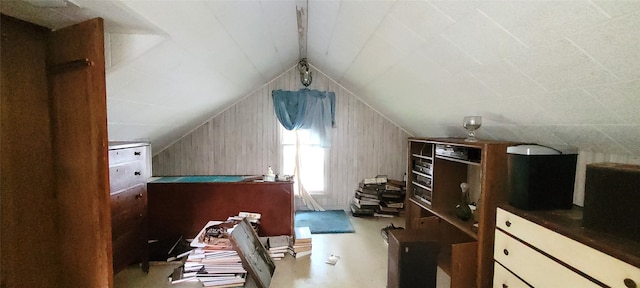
point(312, 160)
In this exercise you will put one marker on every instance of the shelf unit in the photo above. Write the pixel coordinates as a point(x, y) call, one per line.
point(421, 170)
point(436, 167)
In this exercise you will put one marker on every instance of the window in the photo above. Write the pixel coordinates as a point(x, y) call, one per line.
point(312, 160)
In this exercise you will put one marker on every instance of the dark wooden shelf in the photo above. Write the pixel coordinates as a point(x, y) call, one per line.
point(449, 217)
point(421, 174)
point(458, 160)
point(421, 186)
point(422, 156)
point(420, 202)
point(469, 259)
point(460, 142)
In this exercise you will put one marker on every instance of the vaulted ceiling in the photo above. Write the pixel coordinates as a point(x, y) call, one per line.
point(558, 72)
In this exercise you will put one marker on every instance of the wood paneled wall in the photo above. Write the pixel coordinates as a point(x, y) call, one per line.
point(245, 139)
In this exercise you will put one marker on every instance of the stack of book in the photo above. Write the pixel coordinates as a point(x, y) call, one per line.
point(276, 246)
point(378, 196)
point(301, 242)
point(213, 268)
point(214, 261)
point(391, 199)
point(221, 248)
point(367, 197)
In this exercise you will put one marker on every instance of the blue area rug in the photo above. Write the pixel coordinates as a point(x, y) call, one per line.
point(324, 222)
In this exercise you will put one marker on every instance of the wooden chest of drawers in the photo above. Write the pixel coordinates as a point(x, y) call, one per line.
point(547, 249)
point(129, 169)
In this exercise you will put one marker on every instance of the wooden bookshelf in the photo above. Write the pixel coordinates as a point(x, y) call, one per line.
point(466, 252)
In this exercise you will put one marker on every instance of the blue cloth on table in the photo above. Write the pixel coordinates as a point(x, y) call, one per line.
point(199, 179)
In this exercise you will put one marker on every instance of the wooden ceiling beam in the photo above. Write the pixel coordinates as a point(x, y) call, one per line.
point(301, 13)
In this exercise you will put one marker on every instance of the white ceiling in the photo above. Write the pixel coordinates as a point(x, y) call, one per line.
point(562, 72)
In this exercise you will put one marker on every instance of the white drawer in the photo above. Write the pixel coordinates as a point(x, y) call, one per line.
point(534, 267)
point(502, 278)
point(600, 266)
point(126, 175)
point(123, 155)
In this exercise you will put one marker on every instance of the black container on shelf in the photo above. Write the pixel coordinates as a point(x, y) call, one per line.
point(541, 178)
point(612, 199)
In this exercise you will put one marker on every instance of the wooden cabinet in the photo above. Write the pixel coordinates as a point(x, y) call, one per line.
point(436, 168)
point(552, 249)
point(181, 206)
point(54, 207)
point(412, 259)
point(129, 169)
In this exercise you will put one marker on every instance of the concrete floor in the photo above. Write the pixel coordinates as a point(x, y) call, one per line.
point(362, 263)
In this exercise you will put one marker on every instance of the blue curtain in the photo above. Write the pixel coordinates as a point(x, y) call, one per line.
point(307, 109)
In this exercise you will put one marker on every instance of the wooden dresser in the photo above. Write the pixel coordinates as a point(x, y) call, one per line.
point(552, 249)
point(129, 169)
point(182, 205)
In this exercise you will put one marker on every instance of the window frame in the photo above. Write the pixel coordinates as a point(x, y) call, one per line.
point(283, 154)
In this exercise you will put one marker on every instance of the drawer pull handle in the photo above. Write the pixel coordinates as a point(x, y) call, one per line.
point(506, 252)
point(508, 223)
point(629, 283)
point(139, 196)
point(137, 153)
point(137, 173)
point(505, 286)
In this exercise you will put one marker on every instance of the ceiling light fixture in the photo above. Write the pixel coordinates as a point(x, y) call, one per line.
point(305, 72)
